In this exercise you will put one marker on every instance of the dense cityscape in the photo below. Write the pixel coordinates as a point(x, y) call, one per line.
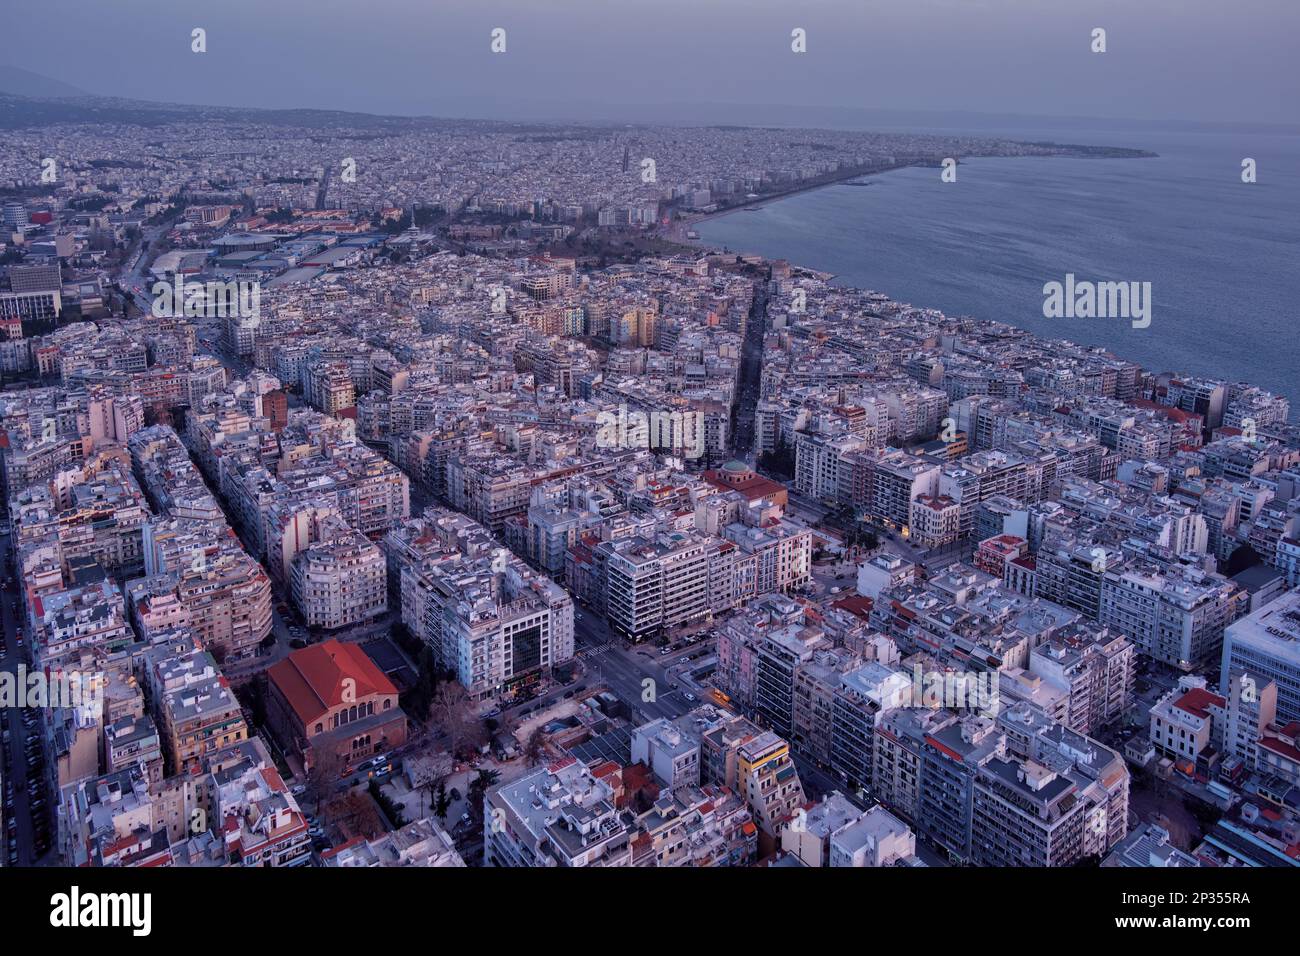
point(423, 493)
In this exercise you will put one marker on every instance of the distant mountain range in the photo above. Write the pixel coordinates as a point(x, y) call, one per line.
point(18, 82)
point(30, 99)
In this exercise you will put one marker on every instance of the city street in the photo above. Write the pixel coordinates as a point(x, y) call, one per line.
point(18, 726)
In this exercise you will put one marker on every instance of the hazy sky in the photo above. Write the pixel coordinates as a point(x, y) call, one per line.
point(1186, 59)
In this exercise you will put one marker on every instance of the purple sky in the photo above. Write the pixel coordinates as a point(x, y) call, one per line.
point(1183, 59)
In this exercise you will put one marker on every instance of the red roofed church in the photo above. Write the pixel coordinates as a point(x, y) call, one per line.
point(330, 703)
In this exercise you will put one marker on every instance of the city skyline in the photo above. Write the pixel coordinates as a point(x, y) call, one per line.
point(511, 437)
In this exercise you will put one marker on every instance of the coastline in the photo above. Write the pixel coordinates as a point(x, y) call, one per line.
point(676, 230)
point(839, 270)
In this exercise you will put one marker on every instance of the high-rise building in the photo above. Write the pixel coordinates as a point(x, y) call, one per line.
point(1266, 645)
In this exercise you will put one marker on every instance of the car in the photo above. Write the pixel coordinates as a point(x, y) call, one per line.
point(568, 694)
point(464, 818)
point(455, 794)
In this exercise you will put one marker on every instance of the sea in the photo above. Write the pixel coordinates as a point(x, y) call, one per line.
point(1222, 256)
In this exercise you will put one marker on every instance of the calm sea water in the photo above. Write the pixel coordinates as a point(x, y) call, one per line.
point(1222, 257)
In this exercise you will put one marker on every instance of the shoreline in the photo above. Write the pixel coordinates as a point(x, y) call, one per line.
point(760, 201)
point(1112, 350)
point(676, 230)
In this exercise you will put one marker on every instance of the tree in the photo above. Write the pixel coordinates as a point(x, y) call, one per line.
point(323, 777)
point(158, 413)
point(417, 700)
point(486, 780)
point(779, 460)
point(442, 802)
point(535, 747)
point(355, 813)
point(452, 710)
point(1242, 558)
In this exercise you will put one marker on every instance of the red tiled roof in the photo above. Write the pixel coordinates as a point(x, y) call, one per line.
point(1280, 747)
point(312, 679)
point(1198, 701)
point(856, 605)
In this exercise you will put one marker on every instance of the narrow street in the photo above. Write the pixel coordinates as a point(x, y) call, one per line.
point(26, 801)
point(751, 374)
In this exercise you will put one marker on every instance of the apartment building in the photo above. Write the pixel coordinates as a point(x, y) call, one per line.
point(1177, 616)
point(341, 580)
point(1266, 645)
point(559, 815)
point(935, 521)
point(671, 755)
point(835, 833)
point(864, 697)
point(770, 783)
point(492, 620)
point(420, 843)
point(134, 740)
point(695, 826)
point(1094, 668)
point(256, 816)
point(653, 585)
point(196, 711)
point(819, 459)
point(1183, 721)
